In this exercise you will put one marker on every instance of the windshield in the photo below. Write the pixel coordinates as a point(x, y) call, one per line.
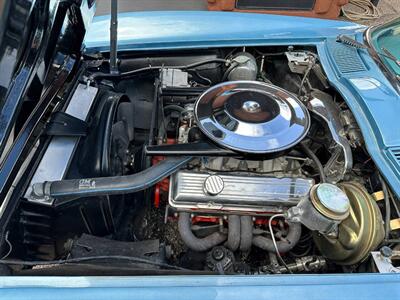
point(386, 39)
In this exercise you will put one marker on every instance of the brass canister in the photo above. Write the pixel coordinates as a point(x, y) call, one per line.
point(361, 232)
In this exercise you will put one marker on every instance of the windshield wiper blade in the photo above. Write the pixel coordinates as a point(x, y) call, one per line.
point(344, 39)
point(386, 53)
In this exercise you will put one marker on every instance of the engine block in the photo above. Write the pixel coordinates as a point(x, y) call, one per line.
point(235, 193)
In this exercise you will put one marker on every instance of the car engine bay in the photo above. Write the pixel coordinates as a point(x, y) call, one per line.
point(217, 161)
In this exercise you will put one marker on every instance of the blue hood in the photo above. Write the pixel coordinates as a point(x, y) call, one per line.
point(370, 96)
point(174, 29)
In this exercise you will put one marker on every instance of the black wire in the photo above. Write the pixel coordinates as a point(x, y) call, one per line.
point(200, 63)
point(387, 207)
point(316, 160)
point(201, 77)
point(100, 75)
point(154, 111)
point(226, 73)
point(269, 54)
point(394, 203)
point(88, 258)
point(275, 245)
point(254, 172)
point(305, 242)
point(393, 241)
point(303, 80)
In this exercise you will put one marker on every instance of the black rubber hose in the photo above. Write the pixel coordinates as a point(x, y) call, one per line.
point(387, 207)
point(229, 70)
point(167, 118)
point(72, 188)
point(193, 242)
point(201, 63)
point(283, 246)
point(100, 75)
point(246, 233)
point(233, 241)
point(107, 258)
point(316, 160)
point(174, 107)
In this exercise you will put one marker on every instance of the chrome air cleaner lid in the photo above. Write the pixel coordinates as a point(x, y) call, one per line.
point(251, 116)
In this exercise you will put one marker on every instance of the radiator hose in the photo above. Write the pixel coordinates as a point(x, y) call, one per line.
point(101, 186)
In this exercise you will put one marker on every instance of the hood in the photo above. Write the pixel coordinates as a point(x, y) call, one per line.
point(33, 34)
point(180, 29)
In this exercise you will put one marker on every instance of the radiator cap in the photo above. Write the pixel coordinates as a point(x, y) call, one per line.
point(252, 117)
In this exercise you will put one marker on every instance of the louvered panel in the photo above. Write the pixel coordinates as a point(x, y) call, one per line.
point(395, 153)
point(346, 57)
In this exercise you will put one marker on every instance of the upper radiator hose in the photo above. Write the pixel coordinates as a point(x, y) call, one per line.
point(73, 188)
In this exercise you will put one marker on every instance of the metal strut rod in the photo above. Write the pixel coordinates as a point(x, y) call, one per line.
point(114, 37)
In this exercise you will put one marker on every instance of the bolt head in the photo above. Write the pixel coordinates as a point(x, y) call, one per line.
point(218, 253)
point(386, 251)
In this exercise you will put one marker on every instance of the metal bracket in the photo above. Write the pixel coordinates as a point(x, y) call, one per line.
point(56, 159)
point(63, 124)
point(384, 262)
point(299, 61)
point(323, 106)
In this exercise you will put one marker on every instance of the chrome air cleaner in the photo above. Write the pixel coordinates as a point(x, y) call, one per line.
point(252, 117)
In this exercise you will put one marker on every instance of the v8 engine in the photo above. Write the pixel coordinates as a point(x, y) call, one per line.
point(230, 161)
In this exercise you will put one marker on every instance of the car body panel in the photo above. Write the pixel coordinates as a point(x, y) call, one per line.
point(362, 286)
point(375, 104)
point(51, 48)
point(368, 93)
point(195, 29)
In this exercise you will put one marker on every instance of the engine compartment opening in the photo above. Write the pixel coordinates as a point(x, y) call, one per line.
point(215, 161)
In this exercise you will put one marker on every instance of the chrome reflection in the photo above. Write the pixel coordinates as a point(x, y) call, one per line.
point(252, 116)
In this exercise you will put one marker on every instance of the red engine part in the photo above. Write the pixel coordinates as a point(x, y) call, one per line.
point(216, 219)
point(161, 188)
point(205, 219)
point(264, 221)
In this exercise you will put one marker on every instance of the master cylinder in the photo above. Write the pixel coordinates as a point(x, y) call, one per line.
point(346, 221)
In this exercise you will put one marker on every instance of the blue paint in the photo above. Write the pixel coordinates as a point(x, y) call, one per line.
point(370, 96)
point(192, 29)
point(362, 286)
point(376, 107)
